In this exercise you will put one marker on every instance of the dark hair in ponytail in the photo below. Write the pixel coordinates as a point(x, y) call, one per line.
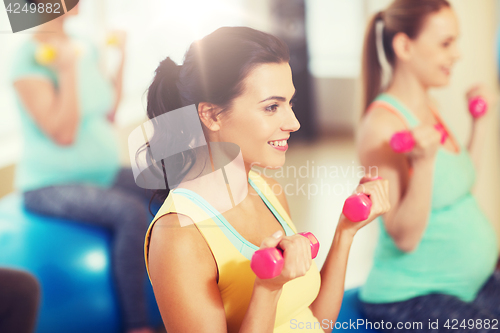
point(407, 16)
point(213, 71)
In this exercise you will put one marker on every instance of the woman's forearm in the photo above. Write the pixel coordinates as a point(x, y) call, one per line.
point(477, 139)
point(261, 313)
point(327, 305)
point(118, 83)
point(67, 114)
point(409, 220)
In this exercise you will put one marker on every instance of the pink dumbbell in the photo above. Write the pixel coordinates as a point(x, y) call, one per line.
point(357, 207)
point(477, 106)
point(268, 263)
point(403, 142)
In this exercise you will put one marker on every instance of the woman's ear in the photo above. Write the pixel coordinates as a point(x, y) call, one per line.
point(208, 114)
point(401, 45)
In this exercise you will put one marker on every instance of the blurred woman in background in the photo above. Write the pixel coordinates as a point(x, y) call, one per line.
point(70, 164)
point(437, 250)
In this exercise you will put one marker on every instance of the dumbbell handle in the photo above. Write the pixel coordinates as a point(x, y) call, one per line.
point(268, 263)
point(477, 106)
point(402, 142)
point(357, 207)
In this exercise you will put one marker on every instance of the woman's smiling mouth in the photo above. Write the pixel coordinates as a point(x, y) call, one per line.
point(281, 145)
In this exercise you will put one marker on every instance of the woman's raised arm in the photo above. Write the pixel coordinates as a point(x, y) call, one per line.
point(55, 111)
point(409, 196)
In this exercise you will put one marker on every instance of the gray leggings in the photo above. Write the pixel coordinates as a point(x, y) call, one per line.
point(479, 316)
point(19, 298)
point(121, 209)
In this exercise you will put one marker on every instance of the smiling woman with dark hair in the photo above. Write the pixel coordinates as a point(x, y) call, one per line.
point(198, 249)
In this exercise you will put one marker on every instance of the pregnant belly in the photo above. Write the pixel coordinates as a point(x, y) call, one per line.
point(462, 242)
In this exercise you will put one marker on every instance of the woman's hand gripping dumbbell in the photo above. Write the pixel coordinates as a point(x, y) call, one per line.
point(477, 106)
point(404, 141)
point(58, 54)
point(361, 207)
point(357, 207)
point(268, 262)
point(477, 97)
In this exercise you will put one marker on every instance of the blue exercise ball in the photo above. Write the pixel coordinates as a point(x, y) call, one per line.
point(72, 263)
point(350, 312)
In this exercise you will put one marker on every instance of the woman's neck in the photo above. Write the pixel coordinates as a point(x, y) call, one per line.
point(406, 87)
point(223, 184)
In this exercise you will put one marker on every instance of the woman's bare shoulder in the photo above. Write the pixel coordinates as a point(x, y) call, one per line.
point(377, 127)
point(184, 277)
point(174, 238)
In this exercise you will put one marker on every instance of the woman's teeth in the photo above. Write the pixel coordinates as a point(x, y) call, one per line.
point(280, 143)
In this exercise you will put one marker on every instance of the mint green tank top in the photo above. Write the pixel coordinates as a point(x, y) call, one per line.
point(458, 250)
point(93, 157)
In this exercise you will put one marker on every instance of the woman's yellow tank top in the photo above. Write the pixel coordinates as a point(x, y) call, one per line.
point(232, 254)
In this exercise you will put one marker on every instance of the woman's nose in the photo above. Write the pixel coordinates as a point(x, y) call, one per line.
point(291, 123)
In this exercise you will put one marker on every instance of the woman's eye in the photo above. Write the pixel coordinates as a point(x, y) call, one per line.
point(446, 44)
point(272, 108)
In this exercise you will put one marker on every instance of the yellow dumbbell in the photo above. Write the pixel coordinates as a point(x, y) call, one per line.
point(45, 54)
point(112, 40)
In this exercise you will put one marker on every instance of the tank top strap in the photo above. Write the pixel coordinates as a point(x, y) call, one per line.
point(269, 197)
point(390, 103)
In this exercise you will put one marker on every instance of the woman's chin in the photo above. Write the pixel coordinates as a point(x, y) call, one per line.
point(442, 81)
point(438, 84)
point(277, 163)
